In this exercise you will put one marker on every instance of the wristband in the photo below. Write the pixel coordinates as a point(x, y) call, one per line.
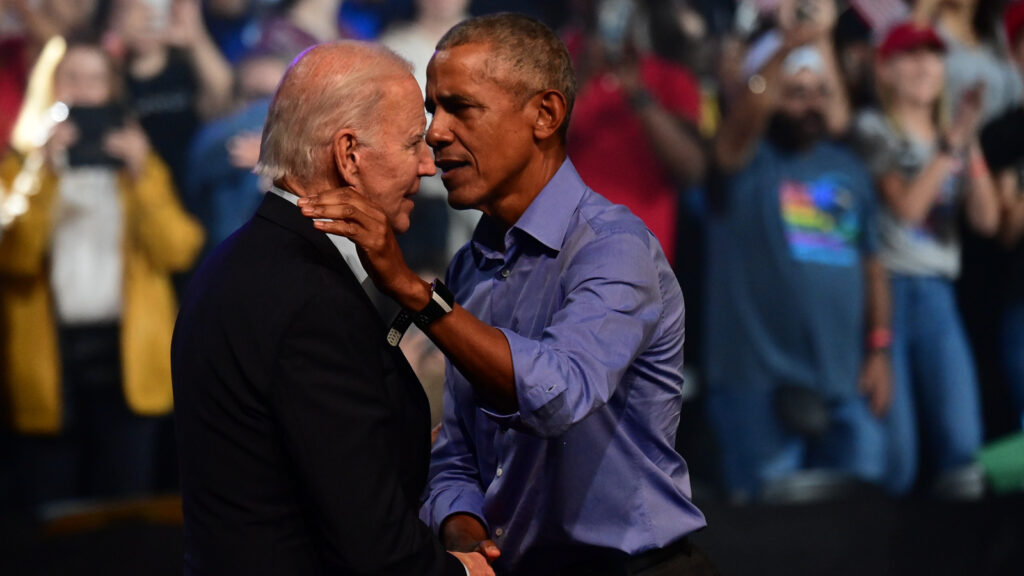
point(879, 340)
point(442, 301)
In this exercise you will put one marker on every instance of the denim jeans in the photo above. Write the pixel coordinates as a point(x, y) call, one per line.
point(755, 448)
point(1013, 354)
point(935, 388)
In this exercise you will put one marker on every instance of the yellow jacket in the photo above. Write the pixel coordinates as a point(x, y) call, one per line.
point(159, 238)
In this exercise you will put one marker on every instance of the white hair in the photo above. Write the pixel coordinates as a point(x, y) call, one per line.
point(327, 88)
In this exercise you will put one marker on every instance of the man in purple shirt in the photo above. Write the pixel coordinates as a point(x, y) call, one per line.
point(565, 346)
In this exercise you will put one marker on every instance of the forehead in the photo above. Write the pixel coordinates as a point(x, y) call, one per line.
point(463, 67)
point(805, 77)
point(403, 104)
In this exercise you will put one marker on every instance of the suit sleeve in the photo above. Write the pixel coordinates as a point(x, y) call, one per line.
point(335, 411)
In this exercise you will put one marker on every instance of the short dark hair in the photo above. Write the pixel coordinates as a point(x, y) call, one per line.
point(535, 56)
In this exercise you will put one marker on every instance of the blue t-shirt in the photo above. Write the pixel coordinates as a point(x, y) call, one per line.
point(786, 287)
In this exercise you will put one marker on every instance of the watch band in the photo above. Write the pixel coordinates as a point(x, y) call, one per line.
point(398, 327)
point(442, 301)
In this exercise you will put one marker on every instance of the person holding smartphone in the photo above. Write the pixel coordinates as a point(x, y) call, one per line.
point(86, 296)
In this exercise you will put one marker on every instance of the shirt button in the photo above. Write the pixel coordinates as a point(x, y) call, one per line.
point(505, 273)
point(499, 473)
point(498, 531)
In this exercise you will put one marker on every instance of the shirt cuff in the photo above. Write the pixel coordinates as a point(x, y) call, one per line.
point(454, 501)
point(539, 389)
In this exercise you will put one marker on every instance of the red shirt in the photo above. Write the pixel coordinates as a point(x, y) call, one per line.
point(610, 149)
point(13, 80)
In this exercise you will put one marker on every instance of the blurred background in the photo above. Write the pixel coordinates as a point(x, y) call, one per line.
point(837, 184)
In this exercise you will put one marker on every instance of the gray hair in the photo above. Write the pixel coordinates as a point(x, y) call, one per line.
point(327, 88)
point(528, 57)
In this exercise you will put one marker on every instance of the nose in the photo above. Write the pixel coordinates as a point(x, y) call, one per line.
point(438, 133)
point(426, 161)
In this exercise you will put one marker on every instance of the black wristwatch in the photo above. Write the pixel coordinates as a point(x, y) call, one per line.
point(442, 301)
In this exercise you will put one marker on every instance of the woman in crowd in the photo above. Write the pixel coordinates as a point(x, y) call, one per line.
point(928, 171)
point(86, 297)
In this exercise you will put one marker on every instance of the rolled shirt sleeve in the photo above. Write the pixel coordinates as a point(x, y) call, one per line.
point(611, 312)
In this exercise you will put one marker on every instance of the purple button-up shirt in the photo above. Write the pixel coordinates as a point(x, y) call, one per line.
point(593, 315)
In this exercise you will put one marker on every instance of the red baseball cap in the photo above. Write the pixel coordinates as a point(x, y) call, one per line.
point(908, 36)
point(1013, 20)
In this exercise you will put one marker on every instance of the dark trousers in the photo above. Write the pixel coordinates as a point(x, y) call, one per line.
point(103, 449)
point(680, 558)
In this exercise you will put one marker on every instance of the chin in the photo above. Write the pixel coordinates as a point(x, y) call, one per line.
point(461, 199)
point(401, 224)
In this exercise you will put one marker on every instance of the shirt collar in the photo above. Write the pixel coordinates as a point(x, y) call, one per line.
point(547, 218)
point(345, 247)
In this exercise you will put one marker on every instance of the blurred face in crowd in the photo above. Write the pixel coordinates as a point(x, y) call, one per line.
point(441, 10)
point(69, 14)
point(391, 164)
point(258, 77)
point(84, 77)
point(138, 25)
point(799, 120)
point(915, 77)
point(482, 135)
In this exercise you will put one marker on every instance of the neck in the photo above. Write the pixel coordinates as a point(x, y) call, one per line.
point(516, 195)
point(148, 64)
point(310, 188)
point(915, 118)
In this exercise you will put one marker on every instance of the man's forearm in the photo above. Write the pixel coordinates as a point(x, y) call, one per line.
point(479, 351)
point(877, 306)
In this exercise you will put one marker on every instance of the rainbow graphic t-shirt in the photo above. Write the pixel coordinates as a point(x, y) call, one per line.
point(820, 221)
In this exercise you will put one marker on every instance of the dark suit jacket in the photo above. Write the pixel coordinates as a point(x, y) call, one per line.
point(303, 438)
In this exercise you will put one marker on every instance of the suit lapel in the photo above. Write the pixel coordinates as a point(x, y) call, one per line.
point(288, 216)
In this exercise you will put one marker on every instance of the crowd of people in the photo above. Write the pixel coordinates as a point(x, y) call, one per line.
point(835, 184)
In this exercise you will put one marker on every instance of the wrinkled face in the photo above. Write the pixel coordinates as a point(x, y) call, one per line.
point(917, 77)
point(83, 78)
point(391, 165)
point(482, 135)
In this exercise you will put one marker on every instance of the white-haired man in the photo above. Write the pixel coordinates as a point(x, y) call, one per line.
point(303, 437)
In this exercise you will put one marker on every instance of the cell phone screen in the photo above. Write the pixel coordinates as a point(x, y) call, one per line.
point(93, 124)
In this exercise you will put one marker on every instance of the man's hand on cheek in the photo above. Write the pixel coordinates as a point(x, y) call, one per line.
point(346, 212)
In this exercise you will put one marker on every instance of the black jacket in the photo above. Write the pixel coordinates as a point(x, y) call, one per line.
point(303, 437)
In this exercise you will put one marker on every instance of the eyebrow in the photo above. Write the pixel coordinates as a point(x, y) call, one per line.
point(451, 101)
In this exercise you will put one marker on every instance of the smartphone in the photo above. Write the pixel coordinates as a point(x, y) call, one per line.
point(160, 13)
point(614, 18)
point(93, 124)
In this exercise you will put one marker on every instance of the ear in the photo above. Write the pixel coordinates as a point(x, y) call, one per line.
point(551, 113)
point(345, 149)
